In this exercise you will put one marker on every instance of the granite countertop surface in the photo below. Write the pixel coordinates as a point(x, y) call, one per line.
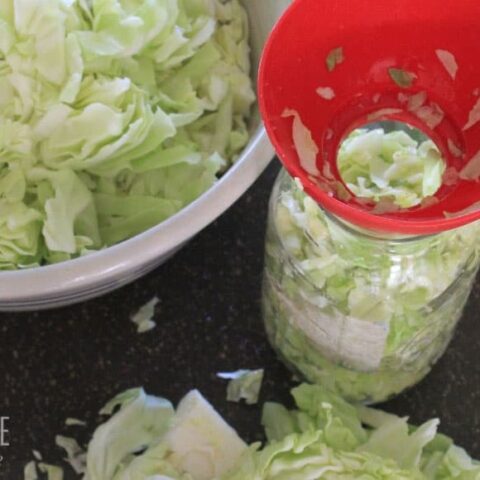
point(69, 362)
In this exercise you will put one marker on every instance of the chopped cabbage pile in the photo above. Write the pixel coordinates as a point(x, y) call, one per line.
point(363, 315)
point(390, 166)
point(114, 116)
point(322, 438)
point(327, 438)
point(145, 438)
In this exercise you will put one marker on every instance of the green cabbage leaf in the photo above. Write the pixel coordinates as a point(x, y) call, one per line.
point(328, 438)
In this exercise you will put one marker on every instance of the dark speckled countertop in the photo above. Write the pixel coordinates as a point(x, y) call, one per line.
point(69, 362)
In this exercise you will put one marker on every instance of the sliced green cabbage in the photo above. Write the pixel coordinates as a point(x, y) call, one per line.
point(335, 57)
point(362, 315)
point(304, 143)
point(308, 456)
point(76, 457)
point(402, 78)
point(75, 422)
point(325, 437)
point(449, 62)
point(30, 471)
point(376, 165)
point(146, 438)
point(244, 384)
point(473, 116)
point(144, 417)
point(201, 443)
point(114, 116)
point(37, 455)
point(143, 318)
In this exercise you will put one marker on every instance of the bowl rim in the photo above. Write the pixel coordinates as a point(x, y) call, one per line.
point(123, 262)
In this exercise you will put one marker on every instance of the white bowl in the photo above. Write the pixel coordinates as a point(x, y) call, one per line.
point(103, 271)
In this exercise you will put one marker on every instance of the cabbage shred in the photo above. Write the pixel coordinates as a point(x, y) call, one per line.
point(114, 116)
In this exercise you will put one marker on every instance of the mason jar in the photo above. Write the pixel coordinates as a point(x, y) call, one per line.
point(360, 312)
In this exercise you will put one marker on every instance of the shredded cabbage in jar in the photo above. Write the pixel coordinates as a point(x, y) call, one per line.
point(364, 316)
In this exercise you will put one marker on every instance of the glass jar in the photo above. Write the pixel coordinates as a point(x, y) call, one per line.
point(363, 314)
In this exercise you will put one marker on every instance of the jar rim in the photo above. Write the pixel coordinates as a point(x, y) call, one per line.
point(373, 235)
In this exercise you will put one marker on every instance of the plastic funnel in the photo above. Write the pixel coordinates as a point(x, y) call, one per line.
point(416, 62)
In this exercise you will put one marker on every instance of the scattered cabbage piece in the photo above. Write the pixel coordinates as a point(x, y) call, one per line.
point(244, 384)
point(382, 113)
point(402, 78)
point(431, 114)
point(454, 149)
point(37, 455)
point(326, 93)
point(143, 317)
point(473, 116)
point(76, 456)
point(304, 143)
point(392, 166)
point(335, 57)
point(53, 472)
point(448, 61)
point(114, 116)
point(474, 207)
point(359, 315)
point(71, 422)
point(30, 471)
point(451, 176)
point(120, 401)
point(471, 171)
point(427, 111)
point(415, 101)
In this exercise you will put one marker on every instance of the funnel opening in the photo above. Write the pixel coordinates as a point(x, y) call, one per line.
point(390, 162)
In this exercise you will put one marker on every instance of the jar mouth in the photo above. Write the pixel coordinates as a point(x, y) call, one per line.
point(370, 235)
point(374, 238)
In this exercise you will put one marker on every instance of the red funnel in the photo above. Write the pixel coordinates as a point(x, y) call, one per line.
point(382, 60)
